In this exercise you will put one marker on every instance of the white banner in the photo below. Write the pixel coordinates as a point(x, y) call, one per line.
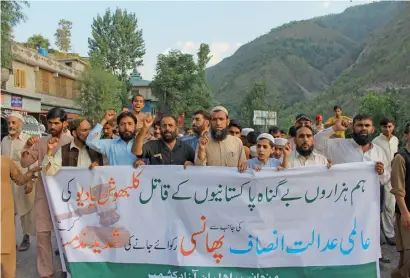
point(217, 217)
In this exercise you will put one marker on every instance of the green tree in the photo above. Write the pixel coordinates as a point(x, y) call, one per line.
point(118, 42)
point(180, 83)
point(99, 91)
point(63, 35)
point(255, 99)
point(11, 15)
point(38, 41)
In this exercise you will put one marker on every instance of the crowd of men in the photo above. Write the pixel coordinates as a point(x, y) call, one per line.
point(133, 138)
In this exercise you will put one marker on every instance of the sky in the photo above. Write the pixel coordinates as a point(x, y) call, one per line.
point(183, 25)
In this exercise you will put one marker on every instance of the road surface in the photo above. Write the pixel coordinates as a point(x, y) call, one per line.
point(27, 268)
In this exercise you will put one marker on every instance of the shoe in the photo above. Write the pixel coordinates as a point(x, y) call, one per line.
point(391, 241)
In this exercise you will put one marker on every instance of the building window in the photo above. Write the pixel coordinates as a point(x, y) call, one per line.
point(154, 111)
point(20, 78)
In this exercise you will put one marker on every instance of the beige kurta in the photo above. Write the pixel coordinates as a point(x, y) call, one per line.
point(34, 154)
point(228, 152)
point(140, 119)
point(12, 149)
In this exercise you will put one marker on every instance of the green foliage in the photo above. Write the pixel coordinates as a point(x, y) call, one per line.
point(63, 35)
point(99, 91)
point(180, 84)
point(310, 65)
point(118, 41)
point(11, 15)
point(255, 99)
point(38, 41)
point(117, 44)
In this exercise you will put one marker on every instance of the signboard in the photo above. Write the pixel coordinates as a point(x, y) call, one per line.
point(264, 118)
point(16, 102)
point(164, 221)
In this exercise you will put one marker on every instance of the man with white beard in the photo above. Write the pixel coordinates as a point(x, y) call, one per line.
point(12, 146)
point(220, 149)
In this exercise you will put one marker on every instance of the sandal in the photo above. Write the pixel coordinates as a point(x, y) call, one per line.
point(24, 246)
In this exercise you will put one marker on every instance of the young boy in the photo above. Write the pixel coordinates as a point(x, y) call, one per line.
point(264, 146)
point(278, 148)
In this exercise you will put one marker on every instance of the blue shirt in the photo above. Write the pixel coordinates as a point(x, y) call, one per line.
point(117, 151)
point(191, 139)
point(271, 163)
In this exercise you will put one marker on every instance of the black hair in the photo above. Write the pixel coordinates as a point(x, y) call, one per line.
point(252, 137)
point(274, 129)
point(336, 107)
point(235, 124)
point(124, 115)
point(204, 113)
point(169, 116)
point(292, 131)
point(283, 132)
point(75, 123)
point(308, 127)
point(188, 128)
point(386, 121)
point(157, 123)
point(55, 113)
point(138, 95)
point(361, 117)
point(407, 128)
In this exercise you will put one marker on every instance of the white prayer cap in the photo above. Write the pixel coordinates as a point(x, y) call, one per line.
point(180, 135)
point(220, 108)
point(17, 115)
point(281, 142)
point(253, 151)
point(266, 136)
point(245, 131)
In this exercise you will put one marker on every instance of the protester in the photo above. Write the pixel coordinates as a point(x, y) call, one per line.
point(337, 117)
point(303, 120)
point(12, 146)
point(252, 138)
point(9, 170)
point(275, 132)
point(246, 145)
point(117, 150)
point(357, 149)
point(400, 182)
point(201, 121)
point(156, 130)
point(34, 151)
point(264, 147)
point(278, 148)
point(220, 149)
point(108, 130)
point(235, 129)
point(283, 133)
point(304, 154)
point(390, 144)
point(166, 151)
point(319, 126)
point(189, 131)
point(73, 154)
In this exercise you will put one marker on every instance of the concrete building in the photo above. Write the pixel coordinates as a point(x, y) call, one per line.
point(143, 87)
point(38, 83)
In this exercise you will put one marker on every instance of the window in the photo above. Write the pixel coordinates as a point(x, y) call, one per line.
point(20, 78)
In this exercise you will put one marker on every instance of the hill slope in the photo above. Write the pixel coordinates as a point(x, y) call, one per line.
point(383, 63)
point(299, 59)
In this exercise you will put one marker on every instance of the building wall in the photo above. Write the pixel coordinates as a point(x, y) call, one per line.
point(49, 84)
point(146, 92)
point(14, 80)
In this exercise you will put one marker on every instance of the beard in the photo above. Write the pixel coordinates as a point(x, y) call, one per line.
point(169, 136)
point(198, 129)
point(361, 139)
point(219, 135)
point(127, 135)
point(305, 152)
point(55, 132)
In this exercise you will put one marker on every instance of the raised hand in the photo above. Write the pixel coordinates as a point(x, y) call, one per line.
point(203, 142)
point(30, 142)
point(110, 115)
point(341, 125)
point(287, 150)
point(148, 122)
point(52, 143)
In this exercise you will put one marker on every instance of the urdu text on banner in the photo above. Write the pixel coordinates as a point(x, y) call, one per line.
point(164, 221)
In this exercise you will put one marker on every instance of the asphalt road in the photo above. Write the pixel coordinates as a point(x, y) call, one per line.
point(27, 263)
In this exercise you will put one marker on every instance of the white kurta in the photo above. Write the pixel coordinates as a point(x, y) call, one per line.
point(341, 150)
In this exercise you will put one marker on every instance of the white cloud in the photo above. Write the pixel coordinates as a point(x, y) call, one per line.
point(219, 50)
